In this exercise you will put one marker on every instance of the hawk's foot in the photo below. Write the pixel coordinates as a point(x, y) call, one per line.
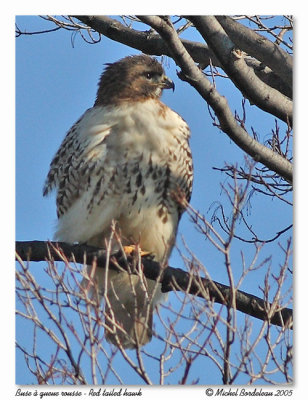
point(133, 249)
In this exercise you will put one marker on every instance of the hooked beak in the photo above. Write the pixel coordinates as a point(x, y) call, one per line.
point(167, 83)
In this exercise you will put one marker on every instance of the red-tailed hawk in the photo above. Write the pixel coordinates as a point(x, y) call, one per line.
point(120, 165)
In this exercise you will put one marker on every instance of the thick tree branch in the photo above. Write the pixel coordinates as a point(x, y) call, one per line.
point(171, 279)
point(147, 42)
point(259, 47)
point(228, 124)
point(153, 44)
point(269, 77)
point(263, 96)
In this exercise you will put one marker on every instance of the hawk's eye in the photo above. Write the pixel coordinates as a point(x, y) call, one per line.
point(149, 75)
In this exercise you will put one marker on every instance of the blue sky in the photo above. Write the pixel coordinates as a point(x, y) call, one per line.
point(56, 82)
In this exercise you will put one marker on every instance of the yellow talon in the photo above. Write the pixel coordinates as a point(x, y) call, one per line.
point(129, 250)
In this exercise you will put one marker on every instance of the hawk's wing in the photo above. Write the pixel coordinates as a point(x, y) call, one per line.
point(79, 170)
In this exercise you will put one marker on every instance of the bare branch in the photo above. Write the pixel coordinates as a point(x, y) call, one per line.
point(150, 43)
point(171, 279)
point(233, 62)
point(19, 32)
point(192, 74)
point(259, 47)
point(146, 41)
point(269, 77)
point(270, 29)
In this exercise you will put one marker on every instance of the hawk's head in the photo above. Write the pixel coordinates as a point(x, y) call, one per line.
point(131, 79)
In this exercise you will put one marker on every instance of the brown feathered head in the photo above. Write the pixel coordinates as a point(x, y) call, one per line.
point(134, 78)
